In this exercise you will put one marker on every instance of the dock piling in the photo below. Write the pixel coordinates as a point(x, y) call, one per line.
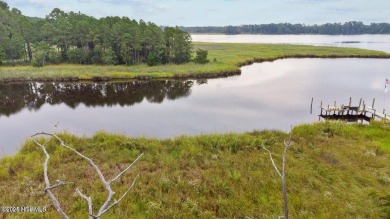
point(311, 106)
point(351, 113)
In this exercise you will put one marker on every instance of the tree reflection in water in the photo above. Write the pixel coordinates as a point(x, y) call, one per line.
point(17, 96)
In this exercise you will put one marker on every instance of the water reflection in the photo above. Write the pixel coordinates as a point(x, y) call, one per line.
point(15, 97)
point(270, 95)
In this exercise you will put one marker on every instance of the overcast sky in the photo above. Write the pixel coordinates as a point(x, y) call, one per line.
point(218, 12)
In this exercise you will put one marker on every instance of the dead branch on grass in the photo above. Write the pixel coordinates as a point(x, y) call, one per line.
point(107, 205)
point(282, 175)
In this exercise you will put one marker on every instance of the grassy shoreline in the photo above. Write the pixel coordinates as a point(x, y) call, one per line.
point(334, 170)
point(229, 57)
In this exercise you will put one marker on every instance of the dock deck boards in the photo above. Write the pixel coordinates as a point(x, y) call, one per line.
point(352, 113)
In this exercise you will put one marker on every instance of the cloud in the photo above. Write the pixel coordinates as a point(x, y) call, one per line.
point(127, 2)
point(35, 6)
point(162, 7)
point(86, 1)
point(40, 2)
point(32, 2)
point(140, 6)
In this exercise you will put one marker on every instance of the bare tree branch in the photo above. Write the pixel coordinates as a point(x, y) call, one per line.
point(107, 184)
point(127, 168)
point(90, 161)
point(120, 199)
point(58, 184)
point(282, 175)
point(47, 181)
point(273, 162)
point(89, 201)
point(287, 144)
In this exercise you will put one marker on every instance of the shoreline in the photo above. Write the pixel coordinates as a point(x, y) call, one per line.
point(210, 75)
point(106, 79)
point(225, 60)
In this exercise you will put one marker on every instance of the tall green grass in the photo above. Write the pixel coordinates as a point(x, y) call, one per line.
point(224, 58)
point(334, 170)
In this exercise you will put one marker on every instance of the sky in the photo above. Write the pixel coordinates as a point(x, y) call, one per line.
point(218, 12)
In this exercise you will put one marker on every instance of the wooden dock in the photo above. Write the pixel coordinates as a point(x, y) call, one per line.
point(351, 113)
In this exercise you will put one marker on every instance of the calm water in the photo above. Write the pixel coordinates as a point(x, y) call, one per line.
point(375, 42)
point(270, 95)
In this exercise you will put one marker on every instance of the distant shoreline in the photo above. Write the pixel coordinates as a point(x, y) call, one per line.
point(347, 28)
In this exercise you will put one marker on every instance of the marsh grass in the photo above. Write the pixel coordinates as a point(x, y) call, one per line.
point(334, 170)
point(229, 57)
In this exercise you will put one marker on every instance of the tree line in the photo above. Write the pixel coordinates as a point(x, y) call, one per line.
point(78, 38)
point(348, 28)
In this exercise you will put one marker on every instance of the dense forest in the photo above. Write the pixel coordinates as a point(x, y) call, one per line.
point(77, 38)
point(348, 28)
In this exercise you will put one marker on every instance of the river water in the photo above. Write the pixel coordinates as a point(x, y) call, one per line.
point(374, 42)
point(269, 95)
